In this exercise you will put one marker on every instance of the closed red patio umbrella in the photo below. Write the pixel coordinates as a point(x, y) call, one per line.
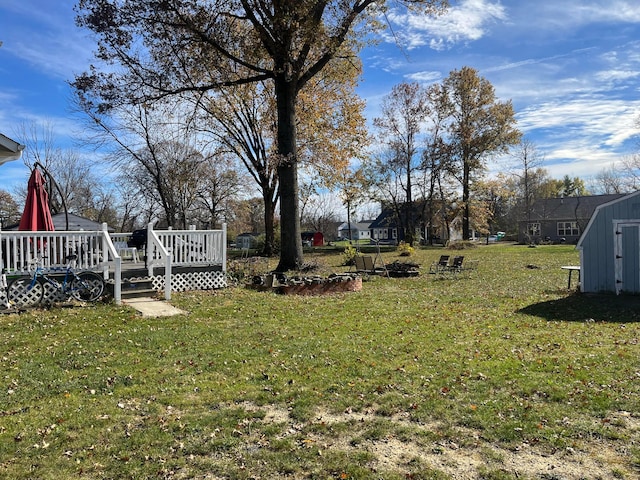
point(36, 215)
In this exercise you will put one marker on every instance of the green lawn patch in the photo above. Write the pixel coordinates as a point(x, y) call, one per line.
point(495, 373)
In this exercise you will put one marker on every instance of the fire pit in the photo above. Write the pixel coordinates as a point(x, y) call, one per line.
point(402, 269)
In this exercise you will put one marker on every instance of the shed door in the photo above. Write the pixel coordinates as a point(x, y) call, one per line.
point(627, 251)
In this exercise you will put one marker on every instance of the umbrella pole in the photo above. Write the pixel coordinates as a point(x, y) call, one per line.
point(52, 180)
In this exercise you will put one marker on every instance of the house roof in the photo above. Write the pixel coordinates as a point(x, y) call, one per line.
point(570, 207)
point(601, 207)
point(76, 223)
point(355, 226)
point(388, 218)
point(9, 149)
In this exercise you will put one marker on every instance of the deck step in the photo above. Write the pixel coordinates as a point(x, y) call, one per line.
point(134, 288)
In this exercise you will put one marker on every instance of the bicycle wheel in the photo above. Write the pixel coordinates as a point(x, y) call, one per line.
point(25, 292)
point(87, 286)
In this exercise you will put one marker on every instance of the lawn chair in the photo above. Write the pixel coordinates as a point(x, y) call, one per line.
point(456, 265)
point(366, 264)
point(124, 250)
point(441, 265)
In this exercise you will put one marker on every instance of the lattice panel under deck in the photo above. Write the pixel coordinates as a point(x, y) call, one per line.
point(52, 295)
point(3, 298)
point(182, 282)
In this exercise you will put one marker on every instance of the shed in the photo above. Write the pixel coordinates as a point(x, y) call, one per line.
point(610, 248)
point(245, 241)
point(312, 239)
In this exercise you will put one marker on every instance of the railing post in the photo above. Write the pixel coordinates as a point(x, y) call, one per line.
point(117, 265)
point(149, 249)
point(224, 247)
point(167, 277)
point(105, 250)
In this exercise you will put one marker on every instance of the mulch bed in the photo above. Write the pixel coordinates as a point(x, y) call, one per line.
point(312, 285)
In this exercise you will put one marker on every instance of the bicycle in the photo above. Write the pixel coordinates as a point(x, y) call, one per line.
point(85, 286)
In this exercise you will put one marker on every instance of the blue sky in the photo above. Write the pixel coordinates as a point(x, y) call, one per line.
point(570, 67)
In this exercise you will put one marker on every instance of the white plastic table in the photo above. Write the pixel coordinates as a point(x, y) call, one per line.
point(571, 268)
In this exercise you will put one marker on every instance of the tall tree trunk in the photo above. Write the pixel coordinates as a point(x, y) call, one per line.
point(269, 229)
point(290, 240)
point(466, 233)
point(410, 230)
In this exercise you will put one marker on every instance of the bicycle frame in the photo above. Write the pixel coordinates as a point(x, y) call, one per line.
point(83, 286)
point(64, 286)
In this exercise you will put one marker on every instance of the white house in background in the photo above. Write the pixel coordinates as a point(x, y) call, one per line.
point(9, 149)
point(359, 231)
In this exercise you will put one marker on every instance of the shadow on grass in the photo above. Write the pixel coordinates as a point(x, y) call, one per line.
point(580, 307)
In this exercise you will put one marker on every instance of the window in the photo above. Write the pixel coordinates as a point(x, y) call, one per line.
point(380, 233)
point(566, 229)
point(533, 229)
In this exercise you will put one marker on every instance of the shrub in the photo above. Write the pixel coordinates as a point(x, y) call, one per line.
point(405, 249)
point(349, 255)
point(461, 245)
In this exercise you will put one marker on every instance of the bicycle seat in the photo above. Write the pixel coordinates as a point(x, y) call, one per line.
point(71, 257)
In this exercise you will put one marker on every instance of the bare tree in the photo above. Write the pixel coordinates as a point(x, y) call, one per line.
point(527, 160)
point(240, 121)
point(157, 149)
point(608, 180)
point(630, 171)
point(404, 112)
point(220, 184)
point(79, 187)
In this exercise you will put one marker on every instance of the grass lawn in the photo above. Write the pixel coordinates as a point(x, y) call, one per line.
point(500, 373)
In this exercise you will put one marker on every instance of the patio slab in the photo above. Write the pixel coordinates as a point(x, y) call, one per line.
point(151, 307)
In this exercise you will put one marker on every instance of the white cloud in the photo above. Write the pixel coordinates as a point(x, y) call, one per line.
point(51, 43)
point(617, 11)
point(467, 21)
point(581, 136)
point(425, 77)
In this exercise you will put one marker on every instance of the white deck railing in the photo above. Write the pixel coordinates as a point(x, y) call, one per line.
point(188, 247)
point(95, 251)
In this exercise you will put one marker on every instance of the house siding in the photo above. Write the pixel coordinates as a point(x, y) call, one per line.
point(550, 212)
point(598, 248)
